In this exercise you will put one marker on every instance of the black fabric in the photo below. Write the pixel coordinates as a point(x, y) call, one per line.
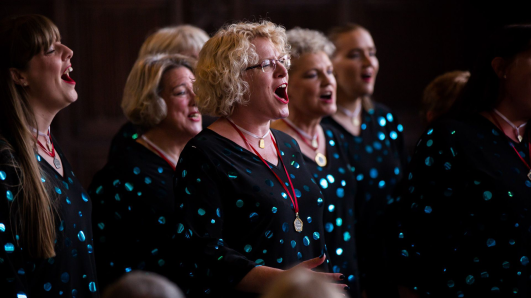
point(338, 185)
point(72, 272)
point(464, 228)
point(378, 156)
point(133, 216)
point(237, 215)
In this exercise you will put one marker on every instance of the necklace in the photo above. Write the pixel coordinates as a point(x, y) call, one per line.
point(516, 128)
point(261, 142)
point(319, 158)
point(172, 162)
point(518, 153)
point(49, 149)
point(297, 223)
point(352, 115)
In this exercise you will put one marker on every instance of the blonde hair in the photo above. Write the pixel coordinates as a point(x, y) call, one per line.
point(441, 93)
point(138, 284)
point(141, 102)
point(33, 213)
point(174, 40)
point(306, 41)
point(301, 284)
point(219, 84)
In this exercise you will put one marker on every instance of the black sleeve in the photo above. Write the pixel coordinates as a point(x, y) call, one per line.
point(199, 189)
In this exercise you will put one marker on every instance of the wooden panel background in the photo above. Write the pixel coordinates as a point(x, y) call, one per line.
point(416, 40)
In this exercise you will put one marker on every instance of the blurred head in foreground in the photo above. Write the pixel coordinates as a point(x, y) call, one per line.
point(140, 284)
point(302, 284)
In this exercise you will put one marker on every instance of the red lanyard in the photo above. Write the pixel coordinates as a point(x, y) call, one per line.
point(528, 144)
point(51, 152)
point(302, 137)
point(293, 198)
point(163, 156)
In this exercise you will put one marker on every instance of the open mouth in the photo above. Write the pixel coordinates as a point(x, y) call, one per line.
point(326, 97)
point(367, 77)
point(66, 75)
point(281, 93)
point(196, 116)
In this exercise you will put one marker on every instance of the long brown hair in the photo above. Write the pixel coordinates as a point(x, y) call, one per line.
point(33, 211)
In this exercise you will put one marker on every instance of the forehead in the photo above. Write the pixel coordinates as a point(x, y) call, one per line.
point(358, 38)
point(178, 75)
point(312, 60)
point(265, 48)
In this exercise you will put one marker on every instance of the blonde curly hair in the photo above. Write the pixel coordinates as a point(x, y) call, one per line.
point(306, 41)
point(174, 40)
point(141, 103)
point(219, 84)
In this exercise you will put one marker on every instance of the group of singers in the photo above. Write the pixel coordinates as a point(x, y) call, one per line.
point(299, 170)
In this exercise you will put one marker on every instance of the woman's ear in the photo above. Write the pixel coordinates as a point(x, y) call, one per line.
point(18, 77)
point(499, 65)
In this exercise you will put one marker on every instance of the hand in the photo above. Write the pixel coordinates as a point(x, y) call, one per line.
point(315, 262)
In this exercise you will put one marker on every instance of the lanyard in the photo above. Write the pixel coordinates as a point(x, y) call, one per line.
point(292, 198)
point(169, 160)
point(315, 141)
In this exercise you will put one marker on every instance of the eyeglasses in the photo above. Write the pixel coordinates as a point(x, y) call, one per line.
point(271, 64)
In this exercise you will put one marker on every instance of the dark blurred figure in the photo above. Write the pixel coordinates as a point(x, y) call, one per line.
point(441, 93)
point(464, 206)
point(140, 284)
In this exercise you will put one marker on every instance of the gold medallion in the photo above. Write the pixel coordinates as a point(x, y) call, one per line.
point(261, 144)
point(320, 159)
point(298, 223)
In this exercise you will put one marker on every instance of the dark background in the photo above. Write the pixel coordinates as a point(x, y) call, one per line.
point(416, 40)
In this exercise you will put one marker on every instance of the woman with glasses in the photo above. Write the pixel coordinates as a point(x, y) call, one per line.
point(250, 208)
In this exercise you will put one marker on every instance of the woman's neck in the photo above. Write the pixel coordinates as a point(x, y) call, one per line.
point(250, 122)
point(170, 142)
point(513, 114)
point(307, 124)
point(347, 102)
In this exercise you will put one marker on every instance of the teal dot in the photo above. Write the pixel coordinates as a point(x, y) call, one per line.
point(339, 222)
point(274, 209)
point(451, 283)
point(239, 203)
point(248, 248)
point(491, 242)
point(427, 209)
point(201, 212)
point(9, 196)
point(346, 236)
point(429, 161)
point(279, 260)
point(524, 260)
point(81, 236)
point(65, 277)
point(470, 280)
point(429, 143)
point(293, 243)
point(136, 170)
point(487, 195)
point(9, 247)
point(129, 186)
point(339, 251)
point(162, 220)
point(47, 286)
point(484, 274)
point(306, 241)
point(269, 183)
point(147, 180)
point(92, 287)
point(316, 235)
point(3, 176)
point(506, 265)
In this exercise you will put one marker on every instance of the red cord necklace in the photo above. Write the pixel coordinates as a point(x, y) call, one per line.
point(51, 151)
point(172, 162)
point(319, 158)
point(298, 222)
point(510, 142)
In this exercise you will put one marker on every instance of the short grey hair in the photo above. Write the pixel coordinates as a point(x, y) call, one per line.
point(305, 41)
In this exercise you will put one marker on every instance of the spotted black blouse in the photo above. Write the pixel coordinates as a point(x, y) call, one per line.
point(379, 157)
point(72, 272)
point(238, 216)
point(464, 228)
point(338, 185)
point(133, 215)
